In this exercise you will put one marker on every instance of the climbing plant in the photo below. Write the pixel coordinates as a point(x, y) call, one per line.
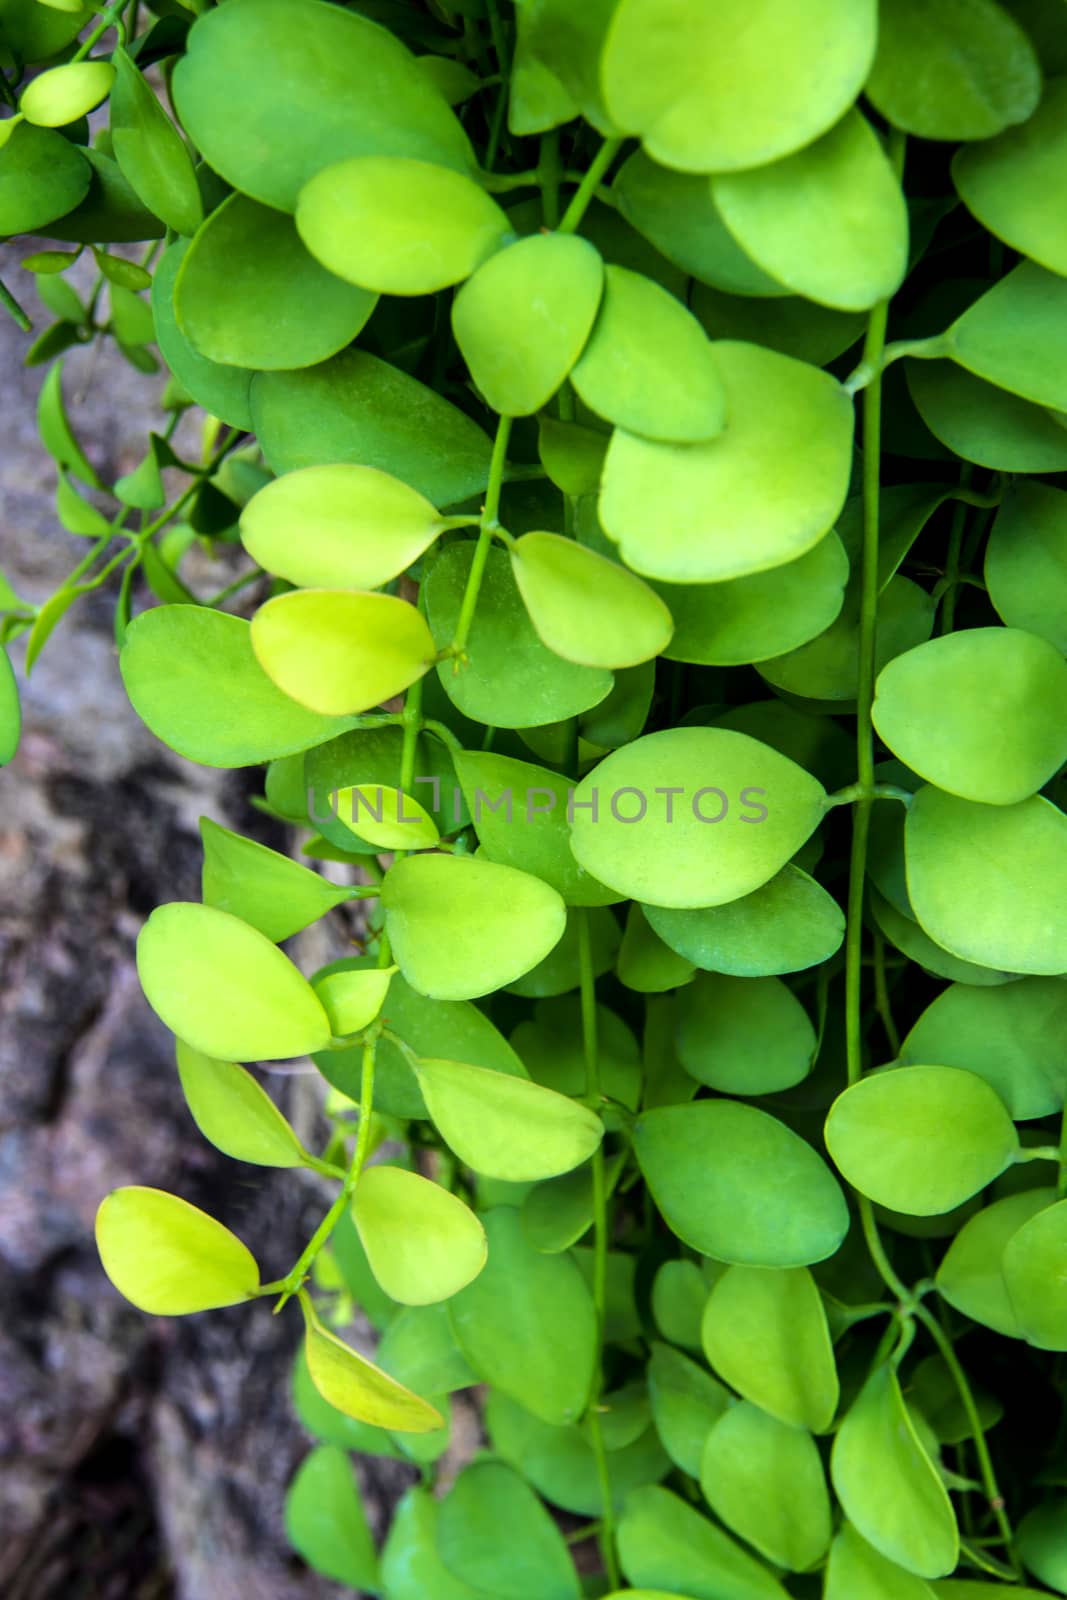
point(636, 434)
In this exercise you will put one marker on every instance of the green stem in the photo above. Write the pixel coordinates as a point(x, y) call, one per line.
point(590, 1047)
point(489, 524)
point(881, 996)
point(1061, 1181)
point(948, 585)
point(580, 201)
point(985, 1462)
point(108, 18)
point(19, 317)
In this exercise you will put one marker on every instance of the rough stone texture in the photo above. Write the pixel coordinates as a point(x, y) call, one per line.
point(140, 1459)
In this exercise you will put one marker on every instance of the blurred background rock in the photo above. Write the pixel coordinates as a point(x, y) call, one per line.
point(140, 1459)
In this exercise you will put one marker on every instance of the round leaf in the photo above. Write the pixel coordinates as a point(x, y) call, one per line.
point(527, 1324)
point(522, 320)
point(662, 1539)
point(249, 295)
point(692, 816)
point(325, 1521)
point(278, 89)
point(787, 323)
point(1009, 1036)
point(887, 1484)
point(1006, 181)
point(412, 1569)
point(989, 883)
point(338, 651)
point(234, 1112)
point(42, 176)
point(398, 226)
point(766, 1334)
point(971, 1276)
point(984, 424)
point(224, 391)
point(559, 1461)
point(765, 1480)
point(855, 1571)
point(920, 1139)
point(961, 70)
point(1013, 336)
point(386, 818)
point(686, 1403)
point(224, 988)
point(979, 713)
point(174, 663)
point(1035, 1275)
point(828, 222)
point(709, 92)
point(648, 365)
point(422, 1243)
point(586, 608)
point(744, 1035)
point(646, 964)
point(1026, 561)
point(63, 94)
point(169, 1258)
point(791, 923)
point(675, 509)
point(766, 614)
point(460, 928)
point(736, 1184)
point(509, 679)
point(352, 1000)
point(507, 1127)
point(495, 1533)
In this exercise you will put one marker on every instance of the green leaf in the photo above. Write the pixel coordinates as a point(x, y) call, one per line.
point(686, 1403)
point(998, 732)
point(520, 815)
point(278, 89)
point(920, 1139)
point(261, 886)
point(356, 408)
point(559, 1461)
point(648, 366)
point(887, 1484)
point(674, 509)
point(559, 973)
point(827, 667)
point(677, 212)
point(708, 92)
point(55, 430)
point(10, 711)
point(765, 1480)
point(788, 925)
point(1034, 1264)
point(398, 226)
point(331, 1426)
point(169, 1258)
point(1004, 181)
point(386, 818)
point(249, 294)
point(150, 151)
point(419, 1349)
point(765, 614)
point(340, 651)
point(828, 222)
point(984, 424)
point(411, 1567)
point(679, 1295)
point(174, 663)
point(971, 1275)
point(898, 927)
point(352, 1000)
point(856, 1571)
point(359, 1388)
point(422, 1243)
point(42, 176)
point(551, 1044)
point(370, 757)
point(766, 1335)
point(744, 1035)
point(63, 94)
point(1013, 336)
point(461, 928)
point(586, 608)
point(325, 1521)
point(506, 1127)
point(646, 964)
point(235, 1113)
point(737, 1184)
point(1008, 1036)
point(647, 822)
point(494, 1533)
point(224, 988)
point(989, 883)
point(961, 70)
point(664, 1540)
point(559, 1211)
point(788, 323)
point(567, 42)
point(359, 527)
point(1026, 561)
point(527, 1324)
point(572, 456)
point(509, 679)
point(222, 391)
point(1041, 1543)
point(522, 320)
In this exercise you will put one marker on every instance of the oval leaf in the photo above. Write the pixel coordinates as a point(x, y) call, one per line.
point(586, 608)
point(422, 1243)
point(169, 1258)
point(338, 651)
